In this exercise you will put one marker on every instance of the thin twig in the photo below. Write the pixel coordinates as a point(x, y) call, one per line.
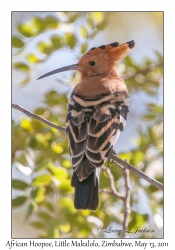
point(113, 189)
point(113, 157)
point(105, 190)
point(136, 171)
point(127, 209)
point(39, 118)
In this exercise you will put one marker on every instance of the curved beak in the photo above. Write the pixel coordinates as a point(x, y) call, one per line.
point(70, 67)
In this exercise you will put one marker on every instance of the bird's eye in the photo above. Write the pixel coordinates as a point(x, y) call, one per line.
point(92, 63)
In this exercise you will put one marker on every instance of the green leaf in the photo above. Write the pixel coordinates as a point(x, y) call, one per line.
point(49, 206)
point(71, 40)
point(90, 22)
point(98, 16)
point(53, 98)
point(21, 66)
point(38, 224)
point(41, 139)
point(51, 22)
point(42, 164)
point(84, 48)
point(161, 202)
point(65, 187)
point(44, 47)
point(59, 172)
point(104, 180)
point(66, 164)
point(159, 56)
point(56, 41)
point(57, 148)
point(129, 62)
point(38, 194)
point(72, 17)
point(151, 105)
point(66, 205)
point(49, 190)
point(159, 109)
point(19, 185)
point(31, 58)
point(83, 32)
point(152, 189)
point(30, 210)
point(39, 111)
point(26, 124)
point(102, 25)
point(116, 171)
point(44, 215)
point(137, 220)
point(38, 23)
point(66, 227)
point(126, 156)
point(138, 157)
point(42, 180)
point(149, 90)
point(149, 117)
point(26, 30)
point(33, 143)
point(161, 179)
point(17, 42)
point(25, 80)
point(18, 201)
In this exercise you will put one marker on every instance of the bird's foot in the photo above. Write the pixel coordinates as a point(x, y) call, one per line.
point(110, 154)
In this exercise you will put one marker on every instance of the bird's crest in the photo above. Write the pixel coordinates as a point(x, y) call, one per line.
point(102, 59)
point(113, 51)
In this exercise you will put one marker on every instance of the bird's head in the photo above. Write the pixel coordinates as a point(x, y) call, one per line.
point(98, 60)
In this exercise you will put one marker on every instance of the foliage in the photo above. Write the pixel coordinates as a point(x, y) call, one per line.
point(41, 153)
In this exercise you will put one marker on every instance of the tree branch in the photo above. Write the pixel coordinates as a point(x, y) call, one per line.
point(124, 164)
point(113, 189)
point(127, 209)
point(113, 156)
point(29, 113)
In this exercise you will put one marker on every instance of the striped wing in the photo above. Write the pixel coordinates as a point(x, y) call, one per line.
point(93, 130)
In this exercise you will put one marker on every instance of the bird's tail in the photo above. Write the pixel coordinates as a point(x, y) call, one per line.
point(86, 192)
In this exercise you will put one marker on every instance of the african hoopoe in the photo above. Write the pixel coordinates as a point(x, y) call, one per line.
point(97, 113)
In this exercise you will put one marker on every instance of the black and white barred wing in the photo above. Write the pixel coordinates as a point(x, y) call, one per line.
point(104, 129)
point(77, 129)
point(92, 133)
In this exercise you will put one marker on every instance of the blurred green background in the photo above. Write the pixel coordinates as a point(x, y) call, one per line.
point(42, 198)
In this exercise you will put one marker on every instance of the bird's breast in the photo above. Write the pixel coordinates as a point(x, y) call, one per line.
point(99, 85)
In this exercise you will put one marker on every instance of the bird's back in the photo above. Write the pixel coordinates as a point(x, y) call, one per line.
point(93, 126)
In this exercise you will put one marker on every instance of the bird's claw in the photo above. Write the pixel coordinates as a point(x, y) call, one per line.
point(110, 154)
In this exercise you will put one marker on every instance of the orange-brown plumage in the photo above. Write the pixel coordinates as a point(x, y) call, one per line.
point(102, 77)
point(97, 113)
point(99, 84)
point(105, 59)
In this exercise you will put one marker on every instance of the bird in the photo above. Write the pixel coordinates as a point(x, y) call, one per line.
point(97, 114)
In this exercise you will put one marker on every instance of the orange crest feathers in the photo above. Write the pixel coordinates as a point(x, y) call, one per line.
point(100, 60)
point(114, 51)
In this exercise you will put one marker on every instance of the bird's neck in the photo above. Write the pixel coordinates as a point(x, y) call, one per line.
point(95, 85)
point(111, 73)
